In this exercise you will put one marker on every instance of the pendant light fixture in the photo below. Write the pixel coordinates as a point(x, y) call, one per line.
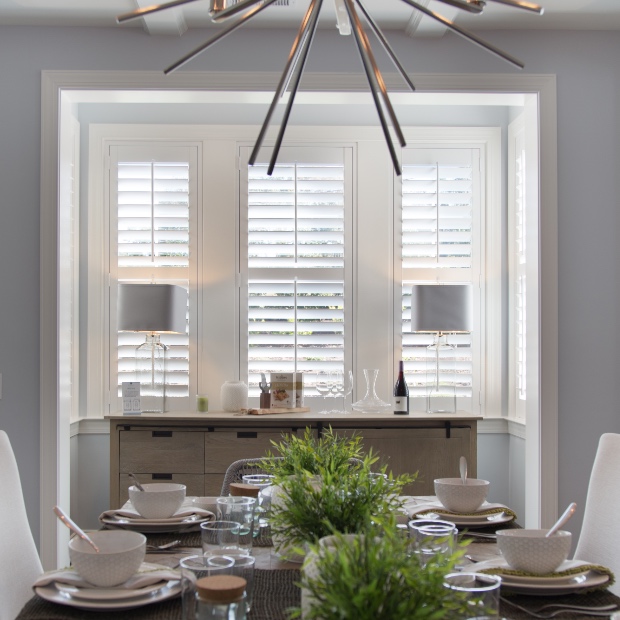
point(348, 21)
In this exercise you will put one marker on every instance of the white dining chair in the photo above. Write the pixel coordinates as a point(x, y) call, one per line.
point(19, 561)
point(599, 540)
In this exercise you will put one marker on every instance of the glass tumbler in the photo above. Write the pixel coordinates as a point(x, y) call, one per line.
point(242, 510)
point(481, 592)
point(262, 481)
point(193, 568)
point(220, 537)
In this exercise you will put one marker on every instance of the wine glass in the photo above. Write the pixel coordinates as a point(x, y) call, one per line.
point(337, 388)
point(323, 386)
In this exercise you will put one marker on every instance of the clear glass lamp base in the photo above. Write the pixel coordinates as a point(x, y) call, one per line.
point(371, 403)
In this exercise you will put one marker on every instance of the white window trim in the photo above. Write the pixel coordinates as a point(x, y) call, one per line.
point(57, 89)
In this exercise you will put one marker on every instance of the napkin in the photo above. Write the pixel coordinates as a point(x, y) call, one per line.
point(421, 508)
point(499, 566)
point(147, 575)
point(127, 511)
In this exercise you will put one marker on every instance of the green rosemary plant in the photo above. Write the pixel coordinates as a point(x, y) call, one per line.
point(374, 577)
point(312, 506)
point(330, 452)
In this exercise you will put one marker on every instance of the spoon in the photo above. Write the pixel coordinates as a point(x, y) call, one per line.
point(568, 513)
point(463, 468)
point(136, 482)
point(72, 525)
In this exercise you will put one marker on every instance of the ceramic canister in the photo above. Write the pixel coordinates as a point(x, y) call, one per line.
point(234, 396)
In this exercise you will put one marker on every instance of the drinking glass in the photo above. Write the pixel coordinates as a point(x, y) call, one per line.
point(242, 510)
point(263, 482)
point(432, 540)
point(220, 537)
point(243, 567)
point(195, 567)
point(480, 590)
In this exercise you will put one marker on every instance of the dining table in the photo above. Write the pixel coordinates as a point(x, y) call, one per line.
point(276, 581)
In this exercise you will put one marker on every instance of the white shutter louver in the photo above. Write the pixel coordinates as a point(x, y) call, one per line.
point(296, 222)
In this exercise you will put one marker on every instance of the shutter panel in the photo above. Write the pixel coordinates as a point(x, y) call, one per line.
point(437, 211)
point(296, 223)
point(437, 239)
point(153, 245)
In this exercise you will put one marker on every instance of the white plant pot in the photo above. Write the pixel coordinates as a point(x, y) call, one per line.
point(234, 396)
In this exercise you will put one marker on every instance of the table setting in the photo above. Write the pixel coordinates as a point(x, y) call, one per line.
point(162, 552)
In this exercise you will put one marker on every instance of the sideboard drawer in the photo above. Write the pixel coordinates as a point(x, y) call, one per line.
point(224, 447)
point(165, 451)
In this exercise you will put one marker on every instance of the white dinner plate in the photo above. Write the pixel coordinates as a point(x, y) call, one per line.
point(53, 595)
point(463, 521)
point(152, 526)
point(546, 586)
point(108, 594)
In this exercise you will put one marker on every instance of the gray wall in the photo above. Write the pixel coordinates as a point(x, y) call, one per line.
point(588, 77)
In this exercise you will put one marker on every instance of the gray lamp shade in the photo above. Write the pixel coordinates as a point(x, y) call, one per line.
point(152, 308)
point(441, 308)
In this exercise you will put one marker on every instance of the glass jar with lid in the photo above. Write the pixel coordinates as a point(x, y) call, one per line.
point(221, 597)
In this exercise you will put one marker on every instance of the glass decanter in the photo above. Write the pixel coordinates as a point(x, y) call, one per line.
point(371, 403)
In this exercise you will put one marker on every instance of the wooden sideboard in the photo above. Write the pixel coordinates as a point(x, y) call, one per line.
point(196, 448)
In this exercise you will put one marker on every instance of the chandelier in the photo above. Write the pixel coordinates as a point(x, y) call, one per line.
point(348, 21)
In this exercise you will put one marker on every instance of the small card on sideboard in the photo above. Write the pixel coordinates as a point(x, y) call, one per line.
point(131, 398)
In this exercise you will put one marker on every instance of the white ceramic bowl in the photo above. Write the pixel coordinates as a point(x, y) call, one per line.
point(120, 554)
point(531, 552)
point(159, 500)
point(459, 497)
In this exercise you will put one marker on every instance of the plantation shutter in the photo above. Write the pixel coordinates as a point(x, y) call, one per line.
point(296, 262)
point(155, 204)
point(439, 230)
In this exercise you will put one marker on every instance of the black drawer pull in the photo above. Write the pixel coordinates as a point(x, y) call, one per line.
point(247, 435)
point(161, 476)
point(161, 434)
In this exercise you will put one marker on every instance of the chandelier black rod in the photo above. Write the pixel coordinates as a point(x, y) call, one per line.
point(220, 35)
point(289, 68)
point(126, 17)
point(376, 72)
point(307, 44)
point(386, 45)
point(466, 34)
point(372, 85)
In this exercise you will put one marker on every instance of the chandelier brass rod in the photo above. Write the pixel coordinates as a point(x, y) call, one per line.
point(220, 35)
point(373, 87)
point(307, 44)
point(125, 17)
point(527, 6)
point(386, 44)
point(376, 72)
point(464, 5)
point(220, 16)
point(466, 34)
point(289, 68)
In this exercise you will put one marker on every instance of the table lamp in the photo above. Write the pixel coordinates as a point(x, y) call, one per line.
point(153, 309)
point(441, 309)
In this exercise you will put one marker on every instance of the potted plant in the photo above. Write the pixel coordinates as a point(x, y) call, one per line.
point(319, 491)
point(375, 577)
point(329, 452)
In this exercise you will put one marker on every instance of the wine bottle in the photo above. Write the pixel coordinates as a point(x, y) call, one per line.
point(401, 392)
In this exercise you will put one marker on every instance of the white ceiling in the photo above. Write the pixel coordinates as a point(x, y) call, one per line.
point(390, 14)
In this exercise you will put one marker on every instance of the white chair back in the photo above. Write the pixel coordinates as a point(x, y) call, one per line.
point(19, 561)
point(599, 540)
